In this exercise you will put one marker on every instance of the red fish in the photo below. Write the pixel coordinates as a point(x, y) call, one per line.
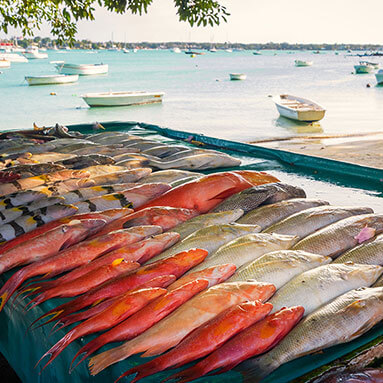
point(49, 243)
point(121, 309)
point(253, 341)
point(145, 318)
point(206, 192)
point(136, 252)
point(75, 256)
point(166, 217)
point(107, 215)
point(205, 339)
point(86, 282)
point(64, 321)
point(175, 265)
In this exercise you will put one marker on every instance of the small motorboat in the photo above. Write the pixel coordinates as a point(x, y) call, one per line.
point(5, 63)
point(13, 57)
point(122, 98)
point(379, 77)
point(51, 79)
point(33, 53)
point(299, 109)
point(364, 67)
point(375, 65)
point(82, 69)
point(256, 53)
point(237, 76)
point(176, 50)
point(303, 63)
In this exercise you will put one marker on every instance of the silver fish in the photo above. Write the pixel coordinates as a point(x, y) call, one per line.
point(334, 239)
point(32, 170)
point(209, 238)
point(17, 199)
point(251, 198)
point(247, 248)
point(307, 221)
point(165, 151)
point(313, 288)
point(167, 176)
point(267, 215)
point(279, 267)
point(183, 181)
point(204, 220)
point(132, 175)
point(344, 319)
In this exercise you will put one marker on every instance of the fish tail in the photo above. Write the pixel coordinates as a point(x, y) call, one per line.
point(11, 286)
point(143, 371)
point(56, 350)
point(101, 361)
point(253, 371)
point(31, 291)
point(87, 350)
point(156, 350)
point(37, 300)
point(54, 314)
point(185, 376)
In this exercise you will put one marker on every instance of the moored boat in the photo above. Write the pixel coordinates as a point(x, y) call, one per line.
point(33, 53)
point(303, 63)
point(375, 65)
point(51, 79)
point(13, 57)
point(122, 98)
point(176, 50)
point(82, 69)
point(364, 67)
point(5, 63)
point(298, 108)
point(237, 76)
point(379, 76)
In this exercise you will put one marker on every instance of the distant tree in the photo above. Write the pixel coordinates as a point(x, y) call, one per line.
point(62, 15)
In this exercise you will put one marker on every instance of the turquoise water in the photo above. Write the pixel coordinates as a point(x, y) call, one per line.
point(199, 96)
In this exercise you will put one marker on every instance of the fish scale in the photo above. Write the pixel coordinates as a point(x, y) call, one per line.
point(344, 319)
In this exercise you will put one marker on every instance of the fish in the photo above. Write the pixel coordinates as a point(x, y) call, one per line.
point(314, 288)
point(51, 157)
point(342, 320)
point(145, 318)
point(198, 162)
point(166, 217)
point(308, 221)
point(132, 175)
point(370, 253)
point(107, 215)
point(141, 144)
point(109, 137)
point(183, 181)
point(32, 170)
point(366, 375)
point(205, 339)
point(34, 219)
point(58, 188)
point(208, 191)
point(117, 268)
point(247, 248)
point(251, 198)
point(279, 267)
point(74, 256)
point(135, 252)
point(99, 170)
point(123, 308)
point(131, 198)
point(210, 238)
point(267, 215)
point(204, 220)
point(80, 162)
point(168, 176)
point(110, 150)
point(133, 163)
point(95, 191)
point(194, 313)
point(176, 265)
point(254, 340)
point(165, 151)
point(49, 243)
point(17, 199)
point(31, 182)
point(335, 239)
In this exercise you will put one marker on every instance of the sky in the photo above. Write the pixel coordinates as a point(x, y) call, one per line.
point(261, 21)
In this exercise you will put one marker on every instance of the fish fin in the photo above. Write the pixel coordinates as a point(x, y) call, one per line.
point(223, 195)
point(185, 376)
point(11, 286)
point(54, 313)
point(253, 371)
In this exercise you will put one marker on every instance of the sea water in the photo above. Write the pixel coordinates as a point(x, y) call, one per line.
point(199, 95)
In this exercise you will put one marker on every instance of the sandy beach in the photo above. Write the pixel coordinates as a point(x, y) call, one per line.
point(366, 152)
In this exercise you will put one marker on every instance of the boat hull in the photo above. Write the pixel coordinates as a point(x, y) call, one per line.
point(237, 76)
point(51, 80)
point(13, 57)
point(35, 55)
point(123, 100)
point(379, 78)
point(83, 70)
point(5, 64)
point(300, 63)
point(360, 69)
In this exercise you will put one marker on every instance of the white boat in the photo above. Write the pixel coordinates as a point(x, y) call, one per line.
point(125, 50)
point(303, 63)
point(33, 53)
point(51, 79)
point(212, 50)
point(122, 98)
point(82, 69)
point(297, 108)
point(375, 65)
point(379, 76)
point(176, 50)
point(237, 76)
point(364, 68)
point(5, 63)
point(229, 50)
point(13, 57)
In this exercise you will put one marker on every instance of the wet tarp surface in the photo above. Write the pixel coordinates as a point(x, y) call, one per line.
point(336, 180)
